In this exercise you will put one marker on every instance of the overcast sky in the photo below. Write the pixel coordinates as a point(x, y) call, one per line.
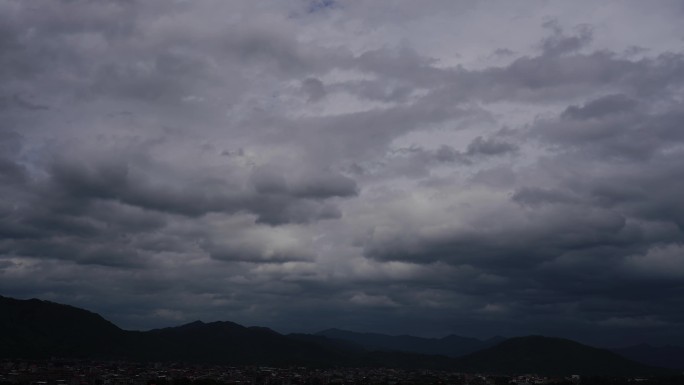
point(419, 167)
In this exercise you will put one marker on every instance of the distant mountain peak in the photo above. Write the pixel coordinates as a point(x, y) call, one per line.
point(547, 355)
point(193, 324)
point(451, 345)
point(669, 356)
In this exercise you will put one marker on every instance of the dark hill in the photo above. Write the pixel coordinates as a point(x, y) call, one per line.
point(231, 342)
point(666, 356)
point(34, 328)
point(553, 356)
point(452, 345)
point(42, 329)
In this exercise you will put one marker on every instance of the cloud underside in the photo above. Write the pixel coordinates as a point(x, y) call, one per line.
point(308, 164)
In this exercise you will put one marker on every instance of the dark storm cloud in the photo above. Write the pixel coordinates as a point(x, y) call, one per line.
point(559, 43)
point(606, 105)
point(19, 102)
point(617, 126)
point(315, 186)
point(11, 172)
point(538, 196)
point(381, 91)
point(314, 88)
point(275, 199)
point(166, 161)
point(103, 254)
point(552, 78)
point(489, 146)
point(574, 234)
point(542, 236)
point(447, 153)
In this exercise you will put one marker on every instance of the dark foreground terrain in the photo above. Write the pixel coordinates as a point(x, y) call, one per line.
point(75, 372)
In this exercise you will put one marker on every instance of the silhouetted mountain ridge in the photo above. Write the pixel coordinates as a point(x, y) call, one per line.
point(668, 356)
point(451, 345)
point(548, 355)
point(43, 329)
point(31, 327)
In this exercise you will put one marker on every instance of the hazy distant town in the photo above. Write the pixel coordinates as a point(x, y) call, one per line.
point(84, 372)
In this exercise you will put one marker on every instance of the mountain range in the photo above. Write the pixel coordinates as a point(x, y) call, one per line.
point(42, 329)
point(451, 345)
point(456, 346)
point(668, 356)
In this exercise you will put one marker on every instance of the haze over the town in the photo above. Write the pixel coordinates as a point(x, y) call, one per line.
point(421, 167)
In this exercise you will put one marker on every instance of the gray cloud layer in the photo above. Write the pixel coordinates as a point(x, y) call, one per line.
point(475, 168)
